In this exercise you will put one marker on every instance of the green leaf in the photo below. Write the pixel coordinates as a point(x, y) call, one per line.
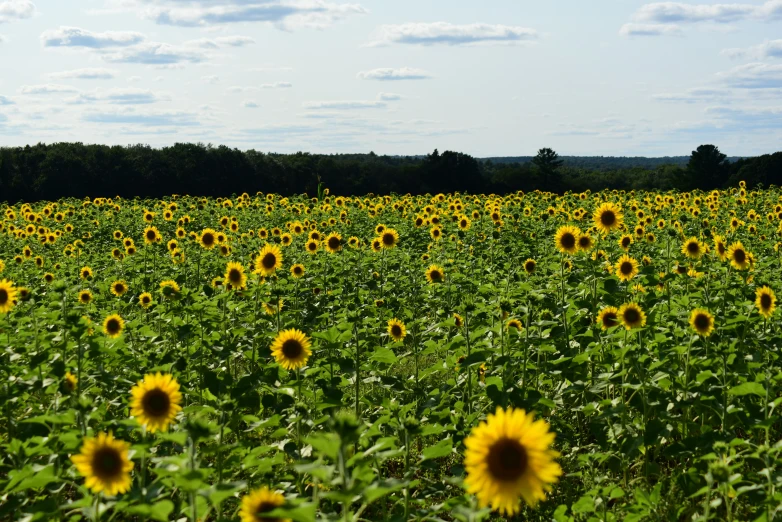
point(439, 450)
point(384, 355)
point(748, 388)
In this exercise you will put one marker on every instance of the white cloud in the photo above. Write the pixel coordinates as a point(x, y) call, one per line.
point(388, 74)
point(210, 79)
point(132, 116)
point(768, 49)
point(388, 96)
point(277, 85)
point(221, 41)
point(317, 13)
point(48, 88)
point(650, 30)
point(11, 10)
point(117, 96)
point(754, 76)
point(344, 105)
point(5, 100)
point(449, 34)
point(250, 104)
point(77, 37)
point(133, 79)
point(694, 95)
point(156, 53)
point(84, 74)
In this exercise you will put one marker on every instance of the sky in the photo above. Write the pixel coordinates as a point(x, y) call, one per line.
point(403, 77)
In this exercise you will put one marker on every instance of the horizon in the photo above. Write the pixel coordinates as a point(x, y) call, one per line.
point(626, 79)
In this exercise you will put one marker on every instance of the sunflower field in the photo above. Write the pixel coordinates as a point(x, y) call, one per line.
point(593, 356)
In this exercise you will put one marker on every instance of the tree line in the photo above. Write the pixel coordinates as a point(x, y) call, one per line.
point(53, 171)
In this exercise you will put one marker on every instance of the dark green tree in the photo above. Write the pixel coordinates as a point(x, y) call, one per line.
point(548, 162)
point(708, 168)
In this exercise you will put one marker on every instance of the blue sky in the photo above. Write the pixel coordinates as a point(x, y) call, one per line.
point(488, 77)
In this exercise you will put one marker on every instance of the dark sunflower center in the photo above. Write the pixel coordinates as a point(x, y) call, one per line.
point(609, 319)
point(702, 322)
point(151, 234)
point(145, 299)
point(119, 288)
point(625, 242)
point(292, 349)
point(106, 463)
point(765, 301)
point(265, 507)
point(463, 223)
point(333, 243)
point(584, 242)
point(156, 403)
point(568, 240)
point(85, 298)
point(269, 261)
point(693, 247)
point(208, 239)
point(312, 246)
point(507, 460)
point(396, 330)
point(112, 326)
point(607, 218)
point(234, 276)
point(388, 239)
point(739, 255)
point(626, 268)
point(631, 316)
point(297, 270)
point(435, 275)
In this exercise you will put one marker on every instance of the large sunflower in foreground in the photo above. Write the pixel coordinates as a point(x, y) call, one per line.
point(632, 316)
point(566, 239)
point(508, 457)
point(396, 329)
point(291, 349)
point(234, 274)
point(765, 301)
point(333, 243)
point(7, 296)
point(268, 260)
point(389, 238)
point(104, 463)
point(702, 322)
point(738, 256)
point(208, 239)
point(155, 401)
point(626, 268)
point(607, 217)
point(259, 502)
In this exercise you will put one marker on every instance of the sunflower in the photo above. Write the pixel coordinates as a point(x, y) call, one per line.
point(48, 277)
point(625, 241)
point(333, 243)
point(69, 383)
point(464, 223)
point(234, 274)
point(692, 248)
point(585, 243)
point(291, 348)
point(312, 246)
point(85, 272)
point(608, 317)
point(297, 270)
point(702, 322)
point(515, 324)
point(632, 316)
point(208, 238)
point(626, 268)
point(273, 308)
point(607, 217)
point(529, 266)
point(85, 296)
point(118, 288)
point(113, 325)
point(377, 245)
point(169, 288)
point(7, 296)
point(396, 329)
point(389, 238)
point(145, 300)
point(104, 463)
point(155, 401)
point(268, 260)
point(151, 235)
point(566, 239)
point(458, 320)
point(23, 292)
point(259, 502)
point(435, 274)
point(508, 456)
point(719, 248)
point(436, 233)
point(738, 255)
point(766, 301)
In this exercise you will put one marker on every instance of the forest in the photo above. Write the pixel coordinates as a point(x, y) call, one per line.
point(52, 171)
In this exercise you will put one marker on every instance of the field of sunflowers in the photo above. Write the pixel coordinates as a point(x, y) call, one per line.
point(593, 356)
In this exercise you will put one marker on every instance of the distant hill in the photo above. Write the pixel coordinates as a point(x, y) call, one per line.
point(603, 162)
